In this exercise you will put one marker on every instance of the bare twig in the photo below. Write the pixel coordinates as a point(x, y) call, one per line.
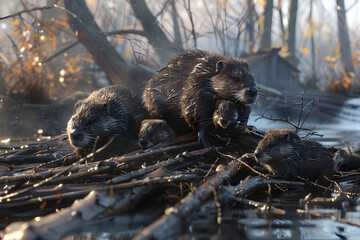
point(188, 10)
point(30, 10)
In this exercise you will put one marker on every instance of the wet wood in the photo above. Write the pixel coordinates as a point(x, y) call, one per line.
point(195, 177)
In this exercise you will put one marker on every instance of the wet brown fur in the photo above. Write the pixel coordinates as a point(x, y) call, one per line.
point(155, 131)
point(283, 153)
point(109, 114)
point(185, 91)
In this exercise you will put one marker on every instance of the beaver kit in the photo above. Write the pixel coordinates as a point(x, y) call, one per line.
point(154, 132)
point(225, 115)
point(283, 153)
point(109, 117)
point(185, 91)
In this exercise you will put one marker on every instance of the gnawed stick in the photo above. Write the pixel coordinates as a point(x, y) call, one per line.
point(168, 163)
point(171, 223)
point(149, 181)
point(96, 205)
point(156, 154)
point(103, 202)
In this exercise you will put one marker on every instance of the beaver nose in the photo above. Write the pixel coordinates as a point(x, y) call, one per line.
point(252, 91)
point(257, 153)
point(142, 143)
point(224, 123)
point(76, 135)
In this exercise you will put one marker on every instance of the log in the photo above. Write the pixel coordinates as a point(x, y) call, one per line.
point(170, 225)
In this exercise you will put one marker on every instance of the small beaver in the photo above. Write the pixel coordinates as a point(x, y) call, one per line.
point(226, 114)
point(109, 114)
point(185, 91)
point(155, 131)
point(283, 153)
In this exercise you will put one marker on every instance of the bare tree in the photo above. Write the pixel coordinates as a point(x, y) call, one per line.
point(89, 34)
point(152, 31)
point(290, 35)
point(312, 42)
point(250, 22)
point(281, 20)
point(175, 18)
point(343, 34)
point(265, 26)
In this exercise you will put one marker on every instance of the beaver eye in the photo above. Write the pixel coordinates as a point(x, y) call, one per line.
point(236, 79)
point(91, 122)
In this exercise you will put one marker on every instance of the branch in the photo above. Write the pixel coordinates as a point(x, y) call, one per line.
point(169, 225)
point(30, 10)
point(123, 32)
point(61, 51)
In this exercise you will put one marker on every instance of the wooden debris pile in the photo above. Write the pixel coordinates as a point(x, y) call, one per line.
point(47, 193)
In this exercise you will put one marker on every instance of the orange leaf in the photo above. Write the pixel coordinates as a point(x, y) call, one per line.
point(337, 50)
point(259, 20)
point(16, 32)
point(15, 22)
point(351, 74)
point(255, 48)
point(309, 32)
point(347, 79)
point(127, 53)
point(261, 3)
point(328, 58)
point(334, 67)
point(305, 50)
point(90, 2)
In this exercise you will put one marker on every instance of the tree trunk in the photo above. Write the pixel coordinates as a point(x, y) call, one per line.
point(281, 20)
point(290, 35)
point(265, 26)
point(312, 42)
point(175, 18)
point(250, 22)
point(89, 34)
point(154, 34)
point(344, 41)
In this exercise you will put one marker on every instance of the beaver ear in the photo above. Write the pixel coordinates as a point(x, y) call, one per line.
point(78, 103)
point(219, 66)
point(287, 137)
point(107, 107)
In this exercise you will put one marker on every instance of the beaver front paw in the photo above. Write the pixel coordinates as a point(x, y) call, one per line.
point(245, 129)
point(205, 138)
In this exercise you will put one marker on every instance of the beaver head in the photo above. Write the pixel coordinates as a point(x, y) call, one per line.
point(225, 114)
point(279, 149)
point(153, 132)
point(233, 81)
point(96, 123)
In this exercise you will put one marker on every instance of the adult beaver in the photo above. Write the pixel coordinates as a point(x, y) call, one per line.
point(185, 91)
point(111, 115)
point(283, 153)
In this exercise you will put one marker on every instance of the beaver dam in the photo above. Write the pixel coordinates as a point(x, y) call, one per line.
point(181, 190)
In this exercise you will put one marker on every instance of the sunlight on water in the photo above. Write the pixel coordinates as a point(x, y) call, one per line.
point(335, 130)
